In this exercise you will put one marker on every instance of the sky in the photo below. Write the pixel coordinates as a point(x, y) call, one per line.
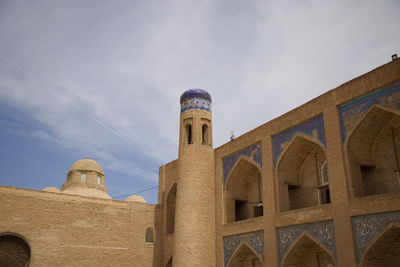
point(102, 79)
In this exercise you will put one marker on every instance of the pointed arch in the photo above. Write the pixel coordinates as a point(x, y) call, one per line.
point(238, 162)
point(371, 150)
point(170, 210)
point(307, 251)
point(169, 262)
point(243, 191)
point(245, 256)
point(384, 250)
point(298, 174)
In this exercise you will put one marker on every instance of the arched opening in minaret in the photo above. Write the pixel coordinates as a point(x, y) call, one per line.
point(170, 218)
point(189, 133)
point(302, 174)
point(385, 249)
point(243, 192)
point(204, 134)
point(244, 256)
point(169, 263)
point(14, 250)
point(373, 148)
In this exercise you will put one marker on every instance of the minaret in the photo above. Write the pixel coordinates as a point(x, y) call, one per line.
point(194, 237)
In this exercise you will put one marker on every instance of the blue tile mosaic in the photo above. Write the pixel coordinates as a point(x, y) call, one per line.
point(195, 99)
point(324, 232)
point(229, 161)
point(230, 245)
point(254, 239)
point(367, 227)
point(314, 124)
point(352, 110)
point(195, 93)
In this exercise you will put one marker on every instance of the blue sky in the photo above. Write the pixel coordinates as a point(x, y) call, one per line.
point(102, 80)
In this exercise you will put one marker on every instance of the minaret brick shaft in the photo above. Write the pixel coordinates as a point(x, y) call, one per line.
point(194, 237)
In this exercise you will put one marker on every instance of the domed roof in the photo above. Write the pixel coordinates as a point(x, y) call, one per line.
point(51, 189)
point(136, 198)
point(195, 93)
point(86, 165)
point(86, 192)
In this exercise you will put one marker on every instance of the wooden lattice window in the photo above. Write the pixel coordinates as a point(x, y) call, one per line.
point(324, 174)
point(149, 235)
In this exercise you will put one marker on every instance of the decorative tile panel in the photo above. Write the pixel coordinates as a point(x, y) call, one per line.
point(196, 103)
point(252, 152)
point(230, 245)
point(314, 127)
point(254, 239)
point(324, 232)
point(352, 111)
point(367, 227)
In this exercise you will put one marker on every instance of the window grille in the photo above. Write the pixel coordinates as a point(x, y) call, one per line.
point(83, 177)
point(149, 235)
point(324, 173)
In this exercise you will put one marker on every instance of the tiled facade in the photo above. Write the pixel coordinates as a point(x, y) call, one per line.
point(323, 232)
point(255, 240)
point(252, 152)
point(345, 229)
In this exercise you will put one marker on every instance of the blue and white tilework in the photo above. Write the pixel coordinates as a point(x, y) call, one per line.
point(195, 99)
point(322, 231)
point(353, 110)
point(196, 103)
point(314, 127)
point(254, 239)
point(367, 227)
point(252, 152)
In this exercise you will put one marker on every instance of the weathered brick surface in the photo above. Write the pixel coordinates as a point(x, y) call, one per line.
point(67, 230)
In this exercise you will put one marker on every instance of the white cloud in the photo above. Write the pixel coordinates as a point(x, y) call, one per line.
point(127, 64)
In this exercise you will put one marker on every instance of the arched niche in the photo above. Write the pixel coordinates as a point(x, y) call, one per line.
point(384, 249)
point(245, 256)
point(302, 174)
point(169, 263)
point(243, 191)
point(373, 153)
point(306, 251)
point(14, 250)
point(170, 216)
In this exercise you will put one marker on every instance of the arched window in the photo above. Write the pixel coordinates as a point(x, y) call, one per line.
point(14, 251)
point(98, 179)
point(299, 174)
point(243, 194)
point(324, 194)
point(373, 153)
point(83, 177)
point(189, 133)
point(149, 235)
point(170, 220)
point(204, 134)
point(324, 174)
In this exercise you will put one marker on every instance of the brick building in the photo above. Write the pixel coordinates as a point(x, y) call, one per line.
point(317, 186)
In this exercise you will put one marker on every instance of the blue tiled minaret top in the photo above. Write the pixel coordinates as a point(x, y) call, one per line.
point(195, 99)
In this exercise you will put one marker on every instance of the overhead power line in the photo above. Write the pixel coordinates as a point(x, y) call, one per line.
point(144, 190)
point(46, 86)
